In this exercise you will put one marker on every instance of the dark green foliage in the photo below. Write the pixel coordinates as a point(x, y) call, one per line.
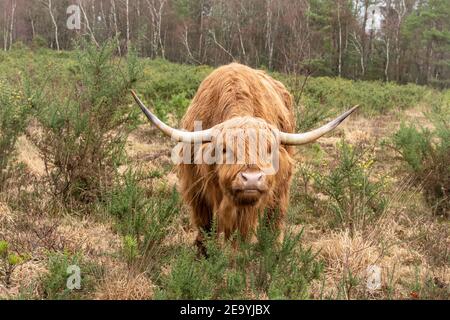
point(265, 268)
point(414, 145)
point(143, 220)
point(425, 32)
point(309, 115)
point(14, 109)
point(54, 283)
point(427, 155)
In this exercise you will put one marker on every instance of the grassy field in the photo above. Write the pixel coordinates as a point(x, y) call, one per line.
point(85, 181)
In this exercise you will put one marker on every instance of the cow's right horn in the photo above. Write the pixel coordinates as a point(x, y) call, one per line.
point(175, 134)
point(311, 136)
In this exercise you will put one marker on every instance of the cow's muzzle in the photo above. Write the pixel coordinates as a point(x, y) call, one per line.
point(250, 183)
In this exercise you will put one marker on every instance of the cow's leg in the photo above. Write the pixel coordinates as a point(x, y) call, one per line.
point(276, 216)
point(226, 218)
point(276, 221)
point(201, 216)
point(278, 208)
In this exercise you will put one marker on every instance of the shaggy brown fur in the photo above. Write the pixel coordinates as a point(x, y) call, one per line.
point(236, 96)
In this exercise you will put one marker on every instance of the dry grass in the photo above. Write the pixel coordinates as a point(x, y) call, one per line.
point(6, 216)
point(29, 155)
point(123, 284)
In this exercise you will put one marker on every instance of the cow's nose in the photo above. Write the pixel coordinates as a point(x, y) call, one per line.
point(252, 179)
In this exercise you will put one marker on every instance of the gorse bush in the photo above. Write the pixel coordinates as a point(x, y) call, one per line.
point(84, 128)
point(265, 268)
point(427, 155)
point(351, 195)
point(54, 284)
point(9, 261)
point(14, 109)
point(130, 249)
point(142, 219)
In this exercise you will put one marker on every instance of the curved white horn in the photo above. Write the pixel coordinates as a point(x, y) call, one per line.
point(175, 134)
point(307, 137)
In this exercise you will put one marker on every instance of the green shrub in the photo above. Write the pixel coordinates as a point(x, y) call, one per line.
point(265, 268)
point(18, 46)
point(169, 87)
point(55, 283)
point(427, 155)
point(9, 261)
point(85, 126)
point(143, 220)
point(38, 42)
point(353, 197)
point(130, 249)
point(374, 97)
point(14, 109)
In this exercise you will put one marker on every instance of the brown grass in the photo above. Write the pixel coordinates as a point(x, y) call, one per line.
point(122, 284)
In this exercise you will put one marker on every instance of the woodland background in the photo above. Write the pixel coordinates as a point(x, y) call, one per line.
point(391, 40)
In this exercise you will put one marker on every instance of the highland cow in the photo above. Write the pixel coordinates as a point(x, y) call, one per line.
point(236, 98)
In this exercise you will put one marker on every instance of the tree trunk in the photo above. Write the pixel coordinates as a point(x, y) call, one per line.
point(156, 18)
point(113, 9)
point(88, 26)
point(401, 11)
point(50, 10)
point(5, 30)
point(386, 67)
point(340, 40)
point(11, 29)
point(127, 4)
point(363, 39)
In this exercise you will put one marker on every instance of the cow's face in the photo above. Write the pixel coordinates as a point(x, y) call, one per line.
point(246, 159)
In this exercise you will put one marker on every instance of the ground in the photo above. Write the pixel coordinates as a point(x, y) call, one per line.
point(403, 244)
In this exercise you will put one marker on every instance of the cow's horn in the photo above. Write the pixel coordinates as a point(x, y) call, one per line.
point(307, 137)
point(175, 134)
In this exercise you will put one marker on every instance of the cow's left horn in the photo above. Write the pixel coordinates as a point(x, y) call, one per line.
point(175, 134)
point(311, 136)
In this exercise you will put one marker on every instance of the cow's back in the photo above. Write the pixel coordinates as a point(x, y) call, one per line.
point(237, 90)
